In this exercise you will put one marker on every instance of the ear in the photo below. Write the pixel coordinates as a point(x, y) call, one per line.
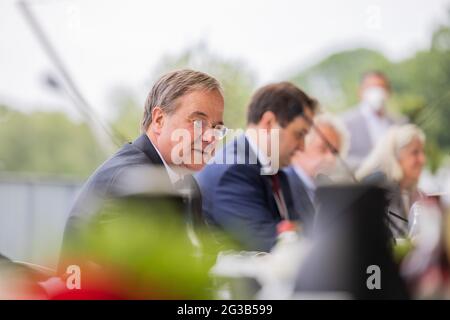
point(158, 118)
point(268, 121)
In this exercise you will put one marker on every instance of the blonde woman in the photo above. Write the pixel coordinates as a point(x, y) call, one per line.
point(400, 156)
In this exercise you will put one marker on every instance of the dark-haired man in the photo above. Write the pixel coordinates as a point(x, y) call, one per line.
point(242, 190)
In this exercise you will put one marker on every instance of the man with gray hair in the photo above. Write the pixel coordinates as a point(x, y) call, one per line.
point(182, 102)
point(182, 121)
point(316, 158)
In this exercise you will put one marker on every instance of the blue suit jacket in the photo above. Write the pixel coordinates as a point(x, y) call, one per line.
point(302, 203)
point(239, 200)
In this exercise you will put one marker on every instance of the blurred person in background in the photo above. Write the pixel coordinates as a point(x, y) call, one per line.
point(369, 120)
point(246, 195)
point(400, 158)
point(317, 158)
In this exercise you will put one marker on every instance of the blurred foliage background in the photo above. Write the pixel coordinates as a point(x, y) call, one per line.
point(420, 85)
point(53, 143)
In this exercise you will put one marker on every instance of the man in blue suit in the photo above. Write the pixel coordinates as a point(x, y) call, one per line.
point(243, 193)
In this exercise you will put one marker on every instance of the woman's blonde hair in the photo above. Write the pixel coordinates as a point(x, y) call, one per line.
point(385, 156)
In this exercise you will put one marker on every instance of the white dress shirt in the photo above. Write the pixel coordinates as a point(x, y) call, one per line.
point(262, 157)
point(173, 175)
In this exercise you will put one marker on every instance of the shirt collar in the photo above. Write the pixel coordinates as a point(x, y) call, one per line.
point(263, 159)
point(173, 175)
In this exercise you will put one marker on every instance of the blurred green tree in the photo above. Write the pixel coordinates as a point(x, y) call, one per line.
point(126, 112)
point(334, 80)
point(236, 79)
point(46, 142)
point(420, 86)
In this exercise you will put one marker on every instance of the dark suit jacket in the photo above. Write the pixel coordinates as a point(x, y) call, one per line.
point(112, 180)
point(302, 202)
point(239, 200)
point(108, 180)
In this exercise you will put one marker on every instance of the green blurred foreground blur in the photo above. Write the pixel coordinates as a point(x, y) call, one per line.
point(139, 248)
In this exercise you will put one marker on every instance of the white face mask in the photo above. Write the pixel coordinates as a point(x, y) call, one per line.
point(375, 98)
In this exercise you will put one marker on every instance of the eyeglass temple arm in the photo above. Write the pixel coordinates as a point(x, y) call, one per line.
point(331, 147)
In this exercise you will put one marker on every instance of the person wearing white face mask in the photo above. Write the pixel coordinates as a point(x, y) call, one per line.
point(369, 120)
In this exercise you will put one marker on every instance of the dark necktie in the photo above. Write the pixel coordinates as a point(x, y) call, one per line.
point(279, 198)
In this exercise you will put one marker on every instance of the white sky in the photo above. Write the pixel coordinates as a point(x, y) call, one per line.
point(110, 43)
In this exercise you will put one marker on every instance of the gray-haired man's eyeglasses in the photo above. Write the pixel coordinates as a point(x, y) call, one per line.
point(219, 131)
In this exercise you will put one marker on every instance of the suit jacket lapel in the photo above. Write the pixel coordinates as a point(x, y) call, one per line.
point(144, 144)
point(304, 207)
